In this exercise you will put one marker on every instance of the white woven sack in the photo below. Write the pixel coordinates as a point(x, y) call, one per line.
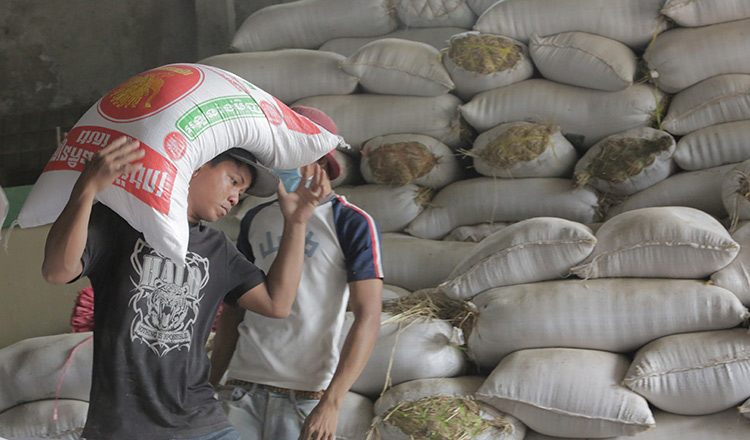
point(183, 115)
point(355, 416)
point(474, 233)
point(585, 116)
point(696, 189)
point(734, 277)
point(632, 22)
point(488, 200)
point(702, 12)
point(34, 420)
point(617, 315)
point(519, 142)
point(360, 117)
point(485, 74)
point(392, 207)
point(417, 263)
point(655, 158)
point(682, 57)
point(479, 6)
point(584, 60)
point(693, 373)
point(434, 13)
point(308, 24)
point(535, 249)
point(392, 66)
point(409, 350)
point(659, 242)
point(567, 392)
point(720, 99)
point(289, 74)
point(444, 166)
point(735, 194)
point(436, 37)
point(533, 435)
point(713, 146)
point(725, 425)
point(31, 369)
point(462, 388)
point(391, 291)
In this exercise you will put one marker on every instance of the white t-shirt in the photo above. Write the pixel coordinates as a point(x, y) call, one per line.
point(301, 351)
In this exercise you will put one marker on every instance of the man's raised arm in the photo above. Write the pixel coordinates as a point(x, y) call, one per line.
point(66, 240)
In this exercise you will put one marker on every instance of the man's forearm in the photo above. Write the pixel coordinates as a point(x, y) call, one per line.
point(286, 271)
point(354, 355)
point(66, 239)
point(225, 342)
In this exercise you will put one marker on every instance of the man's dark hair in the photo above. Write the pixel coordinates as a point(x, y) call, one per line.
point(225, 156)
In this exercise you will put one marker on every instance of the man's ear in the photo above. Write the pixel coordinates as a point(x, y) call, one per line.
point(323, 162)
point(197, 171)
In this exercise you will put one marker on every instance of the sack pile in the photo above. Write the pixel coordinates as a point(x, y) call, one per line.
point(597, 207)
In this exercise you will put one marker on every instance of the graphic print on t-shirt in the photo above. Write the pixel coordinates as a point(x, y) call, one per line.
point(167, 298)
point(270, 247)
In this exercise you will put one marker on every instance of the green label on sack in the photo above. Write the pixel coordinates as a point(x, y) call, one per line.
point(207, 114)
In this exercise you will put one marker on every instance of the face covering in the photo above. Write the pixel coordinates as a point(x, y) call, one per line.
point(290, 178)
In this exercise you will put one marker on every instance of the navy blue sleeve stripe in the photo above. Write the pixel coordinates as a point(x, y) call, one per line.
point(360, 240)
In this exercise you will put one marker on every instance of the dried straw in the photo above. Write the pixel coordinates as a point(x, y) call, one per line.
point(520, 143)
point(443, 418)
point(400, 163)
point(466, 133)
point(485, 54)
point(621, 158)
point(424, 196)
point(657, 117)
point(431, 304)
point(607, 201)
point(742, 194)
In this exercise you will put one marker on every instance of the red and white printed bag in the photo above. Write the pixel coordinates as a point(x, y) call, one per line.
point(183, 115)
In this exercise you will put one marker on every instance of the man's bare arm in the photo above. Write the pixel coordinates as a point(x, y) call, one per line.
point(225, 341)
point(67, 237)
point(366, 300)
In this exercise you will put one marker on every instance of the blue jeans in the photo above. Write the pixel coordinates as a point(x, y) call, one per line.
point(259, 414)
point(222, 434)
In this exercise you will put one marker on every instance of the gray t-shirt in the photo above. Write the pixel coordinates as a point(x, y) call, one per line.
point(151, 322)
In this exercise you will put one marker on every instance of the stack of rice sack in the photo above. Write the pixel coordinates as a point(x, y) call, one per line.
point(638, 337)
point(641, 346)
point(575, 68)
point(490, 139)
point(590, 358)
point(699, 63)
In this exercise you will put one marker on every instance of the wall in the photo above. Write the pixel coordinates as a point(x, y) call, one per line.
point(30, 306)
point(73, 52)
